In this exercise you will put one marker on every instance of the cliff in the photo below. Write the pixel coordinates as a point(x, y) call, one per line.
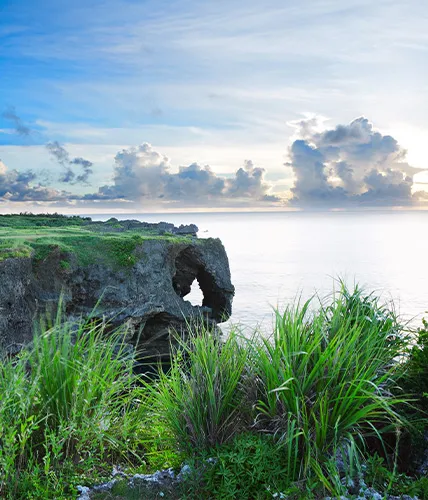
point(127, 272)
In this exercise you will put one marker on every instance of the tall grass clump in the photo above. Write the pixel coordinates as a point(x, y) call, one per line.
point(68, 403)
point(200, 398)
point(324, 383)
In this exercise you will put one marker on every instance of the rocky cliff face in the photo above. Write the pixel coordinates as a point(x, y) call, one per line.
point(150, 296)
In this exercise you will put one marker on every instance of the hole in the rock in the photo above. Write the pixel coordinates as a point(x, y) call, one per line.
point(186, 279)
point(195, 297)
point(198, 285)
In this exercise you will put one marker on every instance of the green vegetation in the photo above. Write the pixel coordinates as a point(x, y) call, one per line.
point(380, 477)
point(321, 386)
point(73, 238)
point(325, 380)
point(319, 409)
point(249, 467)
point(416, 374)
point(200, 398)
point(69, 405)
point(29, 220)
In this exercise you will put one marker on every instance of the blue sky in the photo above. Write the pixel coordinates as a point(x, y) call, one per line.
point(212, 83)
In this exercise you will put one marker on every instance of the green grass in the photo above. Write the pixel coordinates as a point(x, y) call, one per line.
point(29, 220)
point(416, 370)
point(321, 385)
point(273, 415)
point(86, 246)
point(324, 383)
point(70, 406)
point(199, 398)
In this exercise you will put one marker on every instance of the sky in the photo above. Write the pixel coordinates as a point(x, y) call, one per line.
point(134, 105)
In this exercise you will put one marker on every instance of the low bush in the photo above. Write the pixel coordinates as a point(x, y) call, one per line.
point(414, 383)
point(321, 385)
point(251, 466)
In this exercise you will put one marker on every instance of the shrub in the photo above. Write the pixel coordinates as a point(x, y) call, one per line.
point(415, 380)
point(414, 383)
point(251, 466)
point(324, 383)
point(277, 415)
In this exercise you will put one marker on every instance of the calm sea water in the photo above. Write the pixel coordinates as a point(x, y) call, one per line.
point(274, 257)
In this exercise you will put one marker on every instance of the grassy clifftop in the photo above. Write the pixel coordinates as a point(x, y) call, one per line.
point(114, 242)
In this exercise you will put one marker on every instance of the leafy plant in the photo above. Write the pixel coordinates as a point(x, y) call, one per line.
point(251, 466)
point(281, 417)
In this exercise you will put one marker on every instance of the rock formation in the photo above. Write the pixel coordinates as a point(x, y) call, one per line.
point(150, 296)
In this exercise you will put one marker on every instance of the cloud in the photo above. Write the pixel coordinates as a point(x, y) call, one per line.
point(389, 185)
point(61, 155)
point(142, 174)
point(346, 165)
point(20, 127)
point(195, 182)
point(349, 164)
point(58, 152)
point(86, 167)
point(247, 183)
point(19, 186)
point(156, 112)
point(421, 196)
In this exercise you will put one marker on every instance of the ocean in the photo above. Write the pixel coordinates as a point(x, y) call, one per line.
point(276, 257)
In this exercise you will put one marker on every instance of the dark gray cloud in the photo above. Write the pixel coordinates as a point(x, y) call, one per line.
point(62, 156)
point(141, 173)
point(86, 166)
point(22, 187)
point(349, 164)
point(58, 152)
point(390, 186)
point(19, 125)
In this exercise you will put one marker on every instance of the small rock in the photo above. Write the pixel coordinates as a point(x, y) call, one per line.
point(105, 486)
point(372, 494)
point(84, 493)
point(160, 477)
point(186, 471)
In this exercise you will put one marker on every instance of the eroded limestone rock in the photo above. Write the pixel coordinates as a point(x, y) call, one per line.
point(150, 296)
